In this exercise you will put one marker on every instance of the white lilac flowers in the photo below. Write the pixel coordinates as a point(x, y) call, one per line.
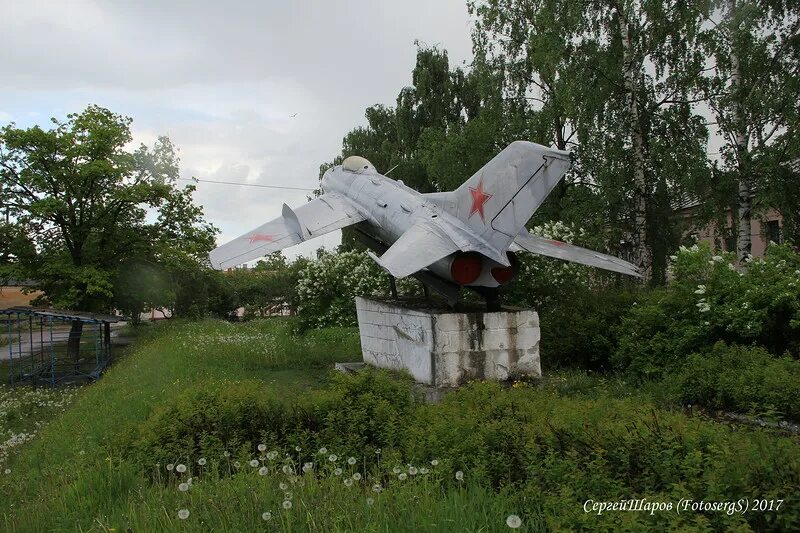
point(701, 289)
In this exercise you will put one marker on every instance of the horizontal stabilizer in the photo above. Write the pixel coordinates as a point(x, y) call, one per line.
point(575, 254)
point(322, 215)
point(420, 246)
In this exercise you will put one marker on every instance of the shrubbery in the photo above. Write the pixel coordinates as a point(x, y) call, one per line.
point(555, 452)
point(741, 379)
point(709, 300)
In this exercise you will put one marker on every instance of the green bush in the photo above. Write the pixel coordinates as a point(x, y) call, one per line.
point(709, 300)
point(742, 379)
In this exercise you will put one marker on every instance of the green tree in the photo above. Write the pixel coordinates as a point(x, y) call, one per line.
point(78, 202)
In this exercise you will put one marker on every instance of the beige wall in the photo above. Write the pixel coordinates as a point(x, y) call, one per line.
point(758, 232)
point(11, 296)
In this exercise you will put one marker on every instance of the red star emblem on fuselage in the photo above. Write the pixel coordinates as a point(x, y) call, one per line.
point(479, 197)
point(260, 237)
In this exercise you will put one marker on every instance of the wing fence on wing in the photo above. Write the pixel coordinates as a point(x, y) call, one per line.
point(420, 246)
point(576, 254)
point(322, 215)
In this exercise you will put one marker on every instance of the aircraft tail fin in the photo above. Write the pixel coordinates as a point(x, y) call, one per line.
point(500, 198)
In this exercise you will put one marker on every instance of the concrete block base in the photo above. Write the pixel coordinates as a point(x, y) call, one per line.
point(442, 348)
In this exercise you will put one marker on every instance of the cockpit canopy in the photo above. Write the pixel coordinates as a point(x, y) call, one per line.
point(358, 165)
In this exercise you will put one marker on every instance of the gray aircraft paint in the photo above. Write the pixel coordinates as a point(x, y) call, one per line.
point(425, 232)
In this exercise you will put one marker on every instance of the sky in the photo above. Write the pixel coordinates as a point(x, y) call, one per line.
point(258, 92)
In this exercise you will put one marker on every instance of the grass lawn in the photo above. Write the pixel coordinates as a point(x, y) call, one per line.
point(86, 471)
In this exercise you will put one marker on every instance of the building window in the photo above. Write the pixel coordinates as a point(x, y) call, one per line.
point(730, 243)
point(773, 231)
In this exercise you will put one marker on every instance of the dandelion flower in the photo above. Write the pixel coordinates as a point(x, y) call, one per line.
point(323, 451)
point(348, 482)
point(287, 504)
point(181, 468)
point(423, 470)
point(183, 514)
point(308, 467)
point(332, 458)
point(170, 467)
point(435, 462)
point(263, 471)
point(337, 472)
point(376, 487)
point(183, 487)
point(351, 461)
point(370, 501)
point(460, 475)
point(357, 476)
point(513, 521)
point(298, 448)
point(396, 470)
point(236, 464)
point(272, 455)
point(266, 516)
point(262, 447)
point(402, 477)
point(201, 461)
point(254, 463)
point(283, 486)
point(7, 471)
point(412, 470)
point(286, 469)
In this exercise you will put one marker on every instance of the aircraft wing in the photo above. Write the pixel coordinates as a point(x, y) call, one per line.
point(576, 254)
point(420, 246)
point(322, 215)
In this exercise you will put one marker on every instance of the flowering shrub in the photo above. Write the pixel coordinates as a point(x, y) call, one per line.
point(328, 285)
point(710, 299)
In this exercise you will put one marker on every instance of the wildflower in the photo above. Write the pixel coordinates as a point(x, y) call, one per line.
point(254, 463)
point(181, 468)
point(357, 476)
point(402, 477)
point(287, 495)
point(266, 516)
point(226, 453)
point(337, 472)
point(423, 470)
point(286, 469)
point(170, 467)
point(513, 521)
point(412, 470)
point(201, 461)
point(351, 461)
point(262, 447)
point(298, 448)
point(460, 475)
point(236, 464)
point(348, 482)
point(82, 452)
point(263, 471)
point(332, 458)
point(283, 486)
point(376, 487)
point(183, 514)
point(396, 470)
point(183, 487)
point(287, 504)
point(704, 307)
point(323, 451)
point(435, 462)
point(701, 289)
point(370, 501)
point(272, 455)
point(7, 471)
point(378, 451)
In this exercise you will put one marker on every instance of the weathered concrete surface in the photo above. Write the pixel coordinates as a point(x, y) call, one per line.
point(444, 348)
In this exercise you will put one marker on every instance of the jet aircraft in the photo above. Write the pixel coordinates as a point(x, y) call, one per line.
point(468, 237)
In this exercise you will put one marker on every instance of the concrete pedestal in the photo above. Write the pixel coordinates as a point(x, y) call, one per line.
point(443, 348)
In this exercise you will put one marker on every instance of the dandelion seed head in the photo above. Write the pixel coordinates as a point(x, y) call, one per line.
point(226, 453)
point(266, 516)
point(170, 467)
point(298, 449)
point(262, 447)
point(348, 482)
point(7, 471)
point(370, 501)
point(337, 472)
point(237, 464)
point(460, 475)
point(376, 487)
point(254, 463)
point(181, 468)
point(332, 458)
point(283, 486)
point(323, 451)
point(287, 495)
point(396, 470)
point(513, 521)
point(423, 470)
point(402, 477)
point(272, 455)
point(263, 471)
point(435, 462)
point(351, 461)
point(183, 514)
point(357, 476)
point(201, 461)
point(287, 504)
point(286, 469)
point(183, 487)
point(412, 470)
